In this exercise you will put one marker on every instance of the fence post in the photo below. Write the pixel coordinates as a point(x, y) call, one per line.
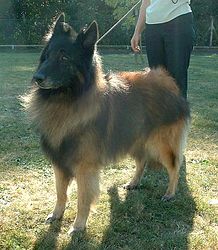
point(212, 29)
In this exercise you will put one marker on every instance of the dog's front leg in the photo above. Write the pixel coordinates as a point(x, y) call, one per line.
point(62, 181)
point(87, 178)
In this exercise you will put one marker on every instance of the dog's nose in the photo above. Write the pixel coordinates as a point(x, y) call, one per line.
point(39, 77)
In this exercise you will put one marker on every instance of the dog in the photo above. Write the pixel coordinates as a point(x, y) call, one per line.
point(87, 119)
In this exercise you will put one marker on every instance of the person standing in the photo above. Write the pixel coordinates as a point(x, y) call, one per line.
point(169, 36)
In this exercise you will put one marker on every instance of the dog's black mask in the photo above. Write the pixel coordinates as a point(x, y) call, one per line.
point(67, 60)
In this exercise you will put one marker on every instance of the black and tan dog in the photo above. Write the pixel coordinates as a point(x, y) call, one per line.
point(87, 120)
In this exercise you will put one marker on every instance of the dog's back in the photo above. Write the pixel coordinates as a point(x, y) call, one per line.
point(137, 105)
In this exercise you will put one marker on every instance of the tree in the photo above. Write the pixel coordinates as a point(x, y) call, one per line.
point(34, 16)
point(120, 8)
point(87, 11)
point(203, 10)
point(26, 21)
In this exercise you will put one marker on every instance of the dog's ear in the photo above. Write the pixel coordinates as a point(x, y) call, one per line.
point(59, 20)
point(60, 25)
point(89, 36)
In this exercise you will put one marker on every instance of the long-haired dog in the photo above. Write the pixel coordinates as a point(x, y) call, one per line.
point(87, 120)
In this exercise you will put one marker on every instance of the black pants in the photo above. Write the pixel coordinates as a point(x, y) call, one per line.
point(170, 45)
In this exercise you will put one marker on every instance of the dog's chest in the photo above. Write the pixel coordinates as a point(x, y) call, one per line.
point(55, 122)
point(58, 120)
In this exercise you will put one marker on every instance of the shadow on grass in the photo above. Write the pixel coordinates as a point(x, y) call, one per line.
point(80, 241)
point(48, 239)
point(143, 221)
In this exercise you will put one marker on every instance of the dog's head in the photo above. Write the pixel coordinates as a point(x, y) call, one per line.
point(66, 61)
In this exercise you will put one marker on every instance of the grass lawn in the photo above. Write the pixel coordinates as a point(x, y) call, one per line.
point(123, 220)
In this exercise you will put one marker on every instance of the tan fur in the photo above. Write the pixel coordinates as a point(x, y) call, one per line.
point(166, 146)
point(62, 183)
point(87, 178)
point(148, 77)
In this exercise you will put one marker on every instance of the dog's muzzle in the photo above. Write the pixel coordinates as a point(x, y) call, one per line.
point(42, 81)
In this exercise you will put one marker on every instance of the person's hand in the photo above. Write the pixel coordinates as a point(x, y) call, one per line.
point(135, 42)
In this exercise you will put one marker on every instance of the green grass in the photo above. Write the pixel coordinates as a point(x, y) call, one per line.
point(123, 220)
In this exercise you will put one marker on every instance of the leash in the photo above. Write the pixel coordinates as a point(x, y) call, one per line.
point(121, 19)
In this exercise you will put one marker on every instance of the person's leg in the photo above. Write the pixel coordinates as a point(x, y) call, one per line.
point(155, 45)
point(178, 38)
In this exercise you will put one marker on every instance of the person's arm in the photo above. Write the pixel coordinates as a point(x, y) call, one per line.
point(139, 26)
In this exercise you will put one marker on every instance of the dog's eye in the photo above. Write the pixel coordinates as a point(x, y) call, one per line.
point(64, 58)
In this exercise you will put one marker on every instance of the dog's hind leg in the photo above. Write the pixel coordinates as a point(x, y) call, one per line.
point(87, 178)
point(62, 181)
point(140, 166)
point(172, 164)
point(166, 146)
point(171, 155)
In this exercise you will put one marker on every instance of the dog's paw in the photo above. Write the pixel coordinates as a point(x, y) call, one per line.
point(168, 197)
point(73, 230)
point(51, 218)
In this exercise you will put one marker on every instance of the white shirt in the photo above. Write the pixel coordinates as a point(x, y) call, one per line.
point(161, 11)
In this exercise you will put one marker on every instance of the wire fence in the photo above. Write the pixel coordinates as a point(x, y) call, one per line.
point(116, 49)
